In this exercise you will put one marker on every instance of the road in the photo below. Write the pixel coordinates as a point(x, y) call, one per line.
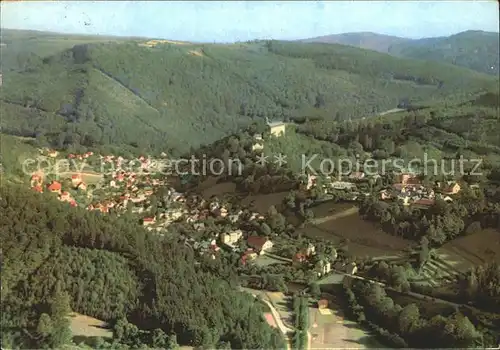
point(287, 332)
point(283, 328)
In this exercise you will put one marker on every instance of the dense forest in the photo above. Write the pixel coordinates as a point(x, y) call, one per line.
point(405, 326)
point(55, 258)
point(116, 94)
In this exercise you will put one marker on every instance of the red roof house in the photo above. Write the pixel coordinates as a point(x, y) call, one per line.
point(259, 243)
point(148, 221)
point(424, 202)
point(37, 188)
point(54, 187)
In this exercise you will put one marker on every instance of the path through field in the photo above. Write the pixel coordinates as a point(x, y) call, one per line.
point(347, 212)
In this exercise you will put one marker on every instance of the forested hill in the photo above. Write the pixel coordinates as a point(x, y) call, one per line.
point(364, 40)
point(139, 94)
point(476, 50)
point(112, 269)
point(473, 49)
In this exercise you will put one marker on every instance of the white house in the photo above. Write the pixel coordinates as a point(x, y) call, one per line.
point(231, 238)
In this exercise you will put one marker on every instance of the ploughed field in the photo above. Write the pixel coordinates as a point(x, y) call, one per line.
point(340, 222)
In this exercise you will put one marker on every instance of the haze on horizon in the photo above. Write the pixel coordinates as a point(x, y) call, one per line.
point(219, 21)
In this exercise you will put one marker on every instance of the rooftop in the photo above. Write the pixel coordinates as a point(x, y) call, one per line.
point(274, 123)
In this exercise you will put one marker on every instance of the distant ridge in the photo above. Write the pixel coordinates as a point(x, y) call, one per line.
point(474, 49)
point(364, 40)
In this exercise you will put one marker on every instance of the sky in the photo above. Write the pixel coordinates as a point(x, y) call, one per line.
point(230, 21)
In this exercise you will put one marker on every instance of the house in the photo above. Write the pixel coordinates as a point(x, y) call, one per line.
point(76, 179)
point(82, 186)
point(311, 181)
point(451, 189)
point(231, 238)
point(323, 267)
point(405, 199)
point(424, 202)
point(199, 226)
point(310, 250)
point(276, 128)
point(73, 203)
point(213, 246)
point(148, 221)
point(37, 188)
point(385, 195)
point(322, 304)
point(408, 178)
point(299, 257)
point(223, 212)
point(36, 179)
point(447, 199)
point(258, 143)
point(54, 187)
point(248, 255)
point(65, 196)
point(342, 185)
point(351, 268)
point(233, 218)
point(53, 153)
point(259, 243)
point(357, 175)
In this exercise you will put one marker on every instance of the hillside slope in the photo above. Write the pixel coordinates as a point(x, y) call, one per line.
point(22, 48)
point(56, 258)
point(476, 50)
point(173, 96)
point(364, 40)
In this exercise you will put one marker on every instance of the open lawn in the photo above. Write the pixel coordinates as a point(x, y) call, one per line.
point(262, 202)
point(88, 327)
point(210, 187)
point(476, 249)
point(365, 239)
point(329, 330)
point(259, 202)
point(265, 260)
point(326, 209)
point(281, 303)
point(87, 177)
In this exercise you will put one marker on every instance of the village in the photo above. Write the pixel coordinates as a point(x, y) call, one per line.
point(136, 186)
point(219, 228)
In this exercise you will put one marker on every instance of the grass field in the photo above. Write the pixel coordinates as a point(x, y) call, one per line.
point(476, 249)
point(365, 239)
point(83, 327)
point(330, 330)
point(261, 202)
point(87, 177)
